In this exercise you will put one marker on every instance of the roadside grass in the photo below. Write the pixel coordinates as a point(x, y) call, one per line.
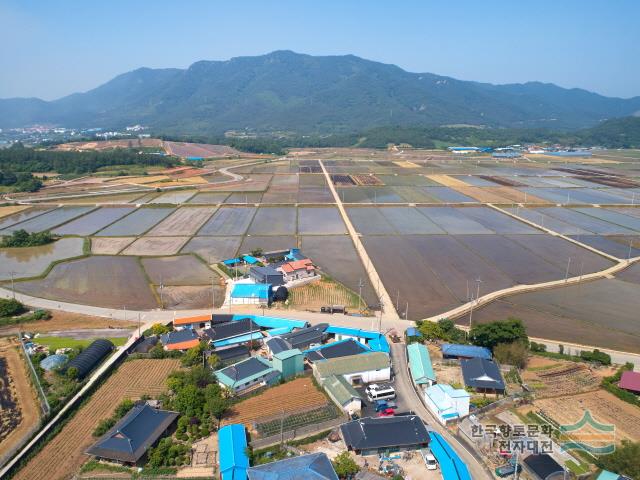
point(66, 342)
point(577, 468)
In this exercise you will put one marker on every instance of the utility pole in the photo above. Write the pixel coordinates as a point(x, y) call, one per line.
point(397, 299)
point(360, 285)
point(138, 324)
point(13, 290)
point(213, 295)
point(161, 287)
point(124, 307)
point(282, 428)
point(566, 275)
point(406, 311)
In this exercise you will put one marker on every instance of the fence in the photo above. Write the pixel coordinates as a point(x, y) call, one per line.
point(297, 433)
point(44, 403)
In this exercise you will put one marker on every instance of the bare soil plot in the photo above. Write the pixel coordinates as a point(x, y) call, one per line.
point(267, 243)
point(175, 196)
point(559, 379)
point(48, 220)
point(21, 216)
point(149, 246)
point(605, 408)
point(109, 245)
point(93, 221)
point(178, 270)
point(313, 296)
point(320, 221)
point(20, 406)
point(370, 179)
point(109, 144)
point(184, 221)
point(95, 281)
point(190, 297)
point(136, 223)
point(213, 249)
point(68, 321)
point(203, 150)
point(448, 180)
point(295, 396)
point(11, 209)
point(229, 221)
point(64, 454)
point(274, 221)
point(28, 262)
point(95, 198)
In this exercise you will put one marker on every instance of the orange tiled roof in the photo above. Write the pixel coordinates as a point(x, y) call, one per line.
point(190, 320)
point(184, 345)
point(304, 264)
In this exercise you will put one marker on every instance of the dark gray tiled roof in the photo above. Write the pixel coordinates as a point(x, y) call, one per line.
point(385, 432)
point(244, 369)
point(336, 350)
point(304, 337)
point(544, 466)
point(277, 345)
point(178, 336)
point(221, 331)
point(481, 373)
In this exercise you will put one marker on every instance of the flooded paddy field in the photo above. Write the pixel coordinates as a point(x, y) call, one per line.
point(210, 198)
point(619, 246)
point(586, 222)
point(244, 197)
point(314, 194)
point(137, 222)
point(95, 281)
point(120, 198)
point(109, 245)
point(150, 246)
point(274, 221)
point(175, 197)
point(12, 219)
point(602, 313)
point(93, 221)
point(47, 220)
point(320, 221)
point(213, 249)
point(229, 221)
point(184, 221)
point(267, 243)
point(32, 261)
point(178, 270)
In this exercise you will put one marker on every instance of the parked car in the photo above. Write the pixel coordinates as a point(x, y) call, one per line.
point(507, 470)
point(384, 404)
point(387, 412)
point(430, 461)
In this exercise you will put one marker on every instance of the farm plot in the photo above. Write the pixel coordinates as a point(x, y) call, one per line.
point(64, 454)
point(178, 270)
point(190, 297)
point(370, 180)
point(408, 220)
point(203, 150)
point(48, 220)
point(313, 296)
point(605, 408)
point(244, 198)
point(448, 195)
point(586, 222)
point(210, 198)
point(32, 261)
point(453, 221)
point(95, 281)
point(559, 379)
point(547, 221)
point(11, 209)
point(93, 221)
point(342, 180)
point(621, 247)
point(184, 221)
point(320, 221)
point(21, 216)
point(611, 216)
point(213, 249)
point(274, 221)
point(94, 198)
point(229, 221)
point(150, 246)
point(174, 197)
point(369, 221)
point(369, 195)
point(20, 407)
point(348, 270)
point(136, 223)
point(109, 245)
point(294, 397)
point(311, 194)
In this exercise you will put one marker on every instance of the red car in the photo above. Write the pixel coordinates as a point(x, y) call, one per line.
point(387, 412)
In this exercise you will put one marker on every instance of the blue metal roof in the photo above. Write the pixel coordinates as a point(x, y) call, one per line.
point(314, 466)
point(251, 290)
point(375, 340)
point(451, 466)
point(413, 332)
point(238, 340)
point(273, 322)
point(250, 259)
point(468, 351)
point(232, 443)
point(232, 261)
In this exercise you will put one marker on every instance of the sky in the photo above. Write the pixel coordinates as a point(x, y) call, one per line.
point(55, 48)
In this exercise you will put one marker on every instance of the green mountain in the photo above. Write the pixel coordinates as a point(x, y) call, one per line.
point(287, 91)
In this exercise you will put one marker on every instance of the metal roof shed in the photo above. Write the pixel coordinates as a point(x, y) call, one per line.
point(232, 444)
point(454, 350)
point(420, 364)
point(630, 381)
point(544, 467)
point(451, 466)
point(314, 466)
point(91, 356)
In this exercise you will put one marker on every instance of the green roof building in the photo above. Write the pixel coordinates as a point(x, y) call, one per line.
point(357, 369)
point(342, 393)
point(420, 364)
point(289, 362)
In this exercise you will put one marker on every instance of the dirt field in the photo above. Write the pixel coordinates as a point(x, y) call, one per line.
point(604, 407)
point(551, 378)
point(110, 144)
point(317, 294)
point(294, 396)
point(448, 181)
point(156, 246)
point(4, 211)
point(66, 321)
point(200, 150)
point(64, 455)
point(20, 408)
point(184, 221)
point(109, 245)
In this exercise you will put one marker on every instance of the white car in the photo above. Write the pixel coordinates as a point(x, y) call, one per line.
point(430, 460)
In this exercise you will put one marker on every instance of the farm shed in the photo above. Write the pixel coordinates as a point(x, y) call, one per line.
point(420, 364)
point(294, 254)
point(454, 350)
point(630, 381)
point(305, 337)
point(250, 259)
point(225, 331)
point(314, 466)
point(91, 356)
point(266, 275)
point(232, 446)
point(341, 348)
point(129, 439)
point(342, 393)
point(199, 321)
point(376, 341)
point(357, 369)
point(607, 475)
point(543, 467)
point(247, 373)
point(289, 363)
point(447, 403)
point(146, 344)
point(274, 322)
point(251, 294)
point(451, 466)
point(180, 339)
point(255, 336)
point(482, 375)
point(53, 361)
point(369, 436)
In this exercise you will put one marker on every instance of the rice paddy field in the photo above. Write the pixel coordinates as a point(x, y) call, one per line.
point(425, 217)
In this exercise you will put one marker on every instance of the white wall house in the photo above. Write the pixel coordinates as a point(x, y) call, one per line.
point(447, 403)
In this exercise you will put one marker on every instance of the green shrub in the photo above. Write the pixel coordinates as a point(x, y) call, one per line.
point(22, 238)
point(11, 308)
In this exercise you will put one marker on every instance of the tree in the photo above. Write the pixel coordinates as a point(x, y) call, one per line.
point(596, 356)
point(345, 466)
point(430, 330)
point(624, 461)
point(515, 353)
point(257, 252)
point(216, 405)
point(194, 355)
point(491, 334)
point(72, 373)
point(537, 347)
point(11, 308)
point(159, 329)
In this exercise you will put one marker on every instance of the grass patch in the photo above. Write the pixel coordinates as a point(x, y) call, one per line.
point(66, 342)
point(577, 469)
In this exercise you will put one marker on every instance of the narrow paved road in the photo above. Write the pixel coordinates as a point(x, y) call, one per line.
point(405, 389)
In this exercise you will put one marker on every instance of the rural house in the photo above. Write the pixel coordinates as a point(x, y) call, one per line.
point(246, 374)
point(232, 446)
point(370, 436)
point(266, 274)
point(342, 348)
point(447, 403)
point(251, 294)
point(630, 381)
point(357, 369)
point(303, 338)
point(454, 350)
point(482, 375)
point(180, 339)
point(342, 393)
point(420, 365)
point(298, 270)
point(200, 321)
point(543, 467)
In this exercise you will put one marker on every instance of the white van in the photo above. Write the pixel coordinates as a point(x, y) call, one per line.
point(380, 392)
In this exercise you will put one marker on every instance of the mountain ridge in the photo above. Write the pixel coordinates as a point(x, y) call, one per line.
point(284, 90)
